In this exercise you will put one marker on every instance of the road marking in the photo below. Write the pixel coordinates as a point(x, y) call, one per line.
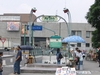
point(83, 72)
point(10, 65)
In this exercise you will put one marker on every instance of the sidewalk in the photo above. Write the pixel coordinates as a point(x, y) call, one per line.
point(90, 68)
point(32, 74)
point(7, 56)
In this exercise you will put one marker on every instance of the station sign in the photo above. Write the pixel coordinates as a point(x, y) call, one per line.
point(49, 18)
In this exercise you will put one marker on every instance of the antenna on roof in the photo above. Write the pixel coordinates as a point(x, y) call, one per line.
point(56, 12)
point(65, 3)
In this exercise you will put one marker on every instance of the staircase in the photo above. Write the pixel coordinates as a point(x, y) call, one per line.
point(40, 68)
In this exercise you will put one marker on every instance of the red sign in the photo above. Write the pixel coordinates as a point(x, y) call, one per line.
point(3, 40)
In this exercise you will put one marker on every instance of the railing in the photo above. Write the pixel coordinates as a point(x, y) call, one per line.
point(38, 51)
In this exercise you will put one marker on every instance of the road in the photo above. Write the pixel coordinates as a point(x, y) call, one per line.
point(90, 67)
point(8, 62)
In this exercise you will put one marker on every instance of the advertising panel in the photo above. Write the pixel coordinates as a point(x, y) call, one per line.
point(13, 26)
point(24, 30)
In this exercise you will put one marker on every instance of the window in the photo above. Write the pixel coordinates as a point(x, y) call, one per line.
point(87, 34)
point(73, 32)
point(87, 44)
point(78, 44)
point(79, 33)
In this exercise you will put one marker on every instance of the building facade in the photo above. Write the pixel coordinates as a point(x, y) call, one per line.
point(13, 29)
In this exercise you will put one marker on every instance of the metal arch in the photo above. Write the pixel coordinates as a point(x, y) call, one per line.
point(44, 27)
point(58, 20)
point(66, 24)
point(50, 29)
point(37, 17)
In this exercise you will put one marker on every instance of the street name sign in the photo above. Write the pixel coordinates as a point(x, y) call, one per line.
point(35, 27)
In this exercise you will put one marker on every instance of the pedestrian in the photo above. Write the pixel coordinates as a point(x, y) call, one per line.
point(1, 68)
point(98, 53)
point(81, 60)
point(72, 58)
point(18, 60)
point(77, 58)
point(58, 56)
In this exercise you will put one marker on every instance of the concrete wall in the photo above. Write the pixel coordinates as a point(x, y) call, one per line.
point(62, 30)
point(12, 37)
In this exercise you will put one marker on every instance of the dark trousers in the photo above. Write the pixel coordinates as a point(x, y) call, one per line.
point(78, 63)
point(58, 61)
point(17, 67)
point(99, 62)
point(0, 73)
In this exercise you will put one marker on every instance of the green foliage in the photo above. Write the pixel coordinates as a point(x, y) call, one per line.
point(93, 17)
point(96, 38)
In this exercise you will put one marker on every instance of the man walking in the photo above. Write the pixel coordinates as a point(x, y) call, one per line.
point(98, 53)
point(17, 61)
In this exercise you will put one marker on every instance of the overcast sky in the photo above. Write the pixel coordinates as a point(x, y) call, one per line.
point(77, 8)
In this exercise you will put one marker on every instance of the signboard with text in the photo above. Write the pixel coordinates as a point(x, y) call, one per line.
point(35, 27)
point(49, 18)
point(65, 71)
point(55, 42)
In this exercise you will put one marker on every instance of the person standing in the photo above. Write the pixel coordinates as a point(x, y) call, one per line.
point(81, 60)
point(1, 69)
point(18, 60)
point(77, 58)
point(72, 56)
point(98, 53)
point(58, 56)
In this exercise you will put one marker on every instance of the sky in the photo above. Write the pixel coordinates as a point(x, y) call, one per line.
point(78, 8)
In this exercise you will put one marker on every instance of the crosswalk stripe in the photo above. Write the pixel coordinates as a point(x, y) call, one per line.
point(10, 65)
point(83, 72)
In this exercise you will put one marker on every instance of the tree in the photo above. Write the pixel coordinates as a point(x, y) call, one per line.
point(96, 39)
point(93, 17)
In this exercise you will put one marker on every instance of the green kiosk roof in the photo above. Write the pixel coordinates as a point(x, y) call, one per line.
point(55, 37)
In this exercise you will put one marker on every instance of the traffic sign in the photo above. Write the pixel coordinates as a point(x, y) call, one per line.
point(3, 40)
point(35, 27)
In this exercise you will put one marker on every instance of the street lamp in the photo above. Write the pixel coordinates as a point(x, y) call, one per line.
point(69, 19)
point(30, 26)
point(69, 26)
point(34, 9)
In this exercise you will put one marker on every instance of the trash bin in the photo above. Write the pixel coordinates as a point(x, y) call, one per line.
point(30, 59)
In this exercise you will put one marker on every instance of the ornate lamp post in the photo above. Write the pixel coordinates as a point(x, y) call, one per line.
point(69, 27)
point(30, 26)
point(69, 19)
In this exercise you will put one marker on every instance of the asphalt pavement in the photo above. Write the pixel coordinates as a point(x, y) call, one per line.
point(90, 67)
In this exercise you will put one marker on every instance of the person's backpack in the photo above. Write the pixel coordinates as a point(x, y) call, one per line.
point(60, 56)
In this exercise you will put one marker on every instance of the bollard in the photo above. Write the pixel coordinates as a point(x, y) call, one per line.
point(4, 62)
point(11, 59)
point(22, 57)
